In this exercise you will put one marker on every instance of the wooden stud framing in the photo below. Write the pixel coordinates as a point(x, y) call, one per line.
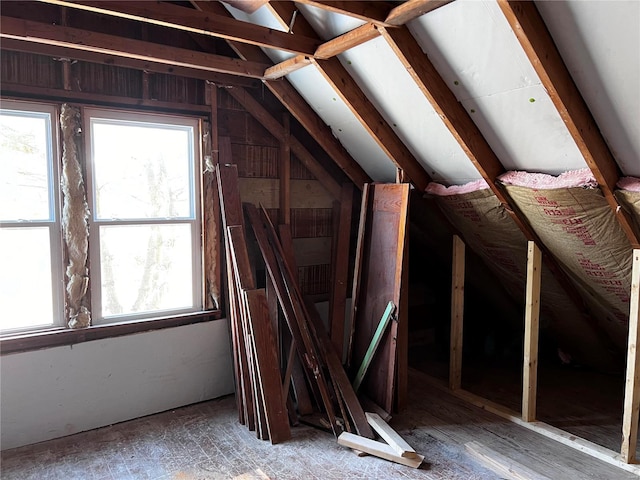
point(457, 311)
point(632, 383)
point(531, 327)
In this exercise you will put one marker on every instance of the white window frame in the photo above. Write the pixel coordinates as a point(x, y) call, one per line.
point(195, 219)
point(53, 224)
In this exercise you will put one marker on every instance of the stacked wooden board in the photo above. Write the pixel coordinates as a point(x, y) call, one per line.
point(287, 367)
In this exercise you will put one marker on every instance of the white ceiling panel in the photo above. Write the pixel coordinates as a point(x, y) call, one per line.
point(310, 83)
point(600, 44)
point(390, 88)
point(472, 46)
point(525, 131)
point(327, 24)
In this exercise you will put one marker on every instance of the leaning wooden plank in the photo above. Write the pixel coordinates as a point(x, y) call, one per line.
point(296, 301)
point(337, 372)
point(502, 465)
point(390, 436)
point(373, 346)
point(378, 449)
point(267, 366)
point(243, 276)
point(355, 292)
point(231, 210)
point(274, 272)
point(340, 270)
point(383, 278)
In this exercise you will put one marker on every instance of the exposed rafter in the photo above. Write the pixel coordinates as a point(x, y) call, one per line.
point(297, 106)
point(362, 108)
point(100, 43)
point(532, 33)
point(372, 121)
point(374, 12)
point(411, 9)
point(470, 139)
point(58, 51)
point(194, 21)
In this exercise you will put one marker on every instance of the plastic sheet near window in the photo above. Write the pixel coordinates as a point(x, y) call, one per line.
point(75, 216)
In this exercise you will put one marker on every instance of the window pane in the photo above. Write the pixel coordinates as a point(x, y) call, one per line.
point(25, 278)
point(24, 173)
point(141, 171)
point(145, 268)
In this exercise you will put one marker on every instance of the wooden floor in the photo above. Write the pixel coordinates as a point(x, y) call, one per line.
point(205, 441)
point(580, 401)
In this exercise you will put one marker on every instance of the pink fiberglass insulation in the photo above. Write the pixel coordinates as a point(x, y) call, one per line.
point(576, 223)
point(488, 229)
point(541, 181)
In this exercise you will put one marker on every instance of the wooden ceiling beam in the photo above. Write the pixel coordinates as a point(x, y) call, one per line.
point(469, 137)
point(372, 12)
point(294, 102)
point(362, 108)
point(446, 105)
point(345, 86)
point(407, 11)
point(344, 42)
point(58, 51)
point(536, 41)
point(100, 43)
point(283, 69)
point(327, 50)
point(194, 21)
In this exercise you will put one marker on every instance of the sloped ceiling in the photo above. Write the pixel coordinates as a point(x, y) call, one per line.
point(446, 91)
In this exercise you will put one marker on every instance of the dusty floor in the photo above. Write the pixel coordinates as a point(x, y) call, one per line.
point(205, 441)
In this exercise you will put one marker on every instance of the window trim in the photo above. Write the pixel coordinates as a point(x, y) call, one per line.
point(59, 337)
point(49, 337)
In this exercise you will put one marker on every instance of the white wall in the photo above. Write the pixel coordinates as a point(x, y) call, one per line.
point(59, 391)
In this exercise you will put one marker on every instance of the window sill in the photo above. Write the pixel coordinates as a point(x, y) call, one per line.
point(25, 342)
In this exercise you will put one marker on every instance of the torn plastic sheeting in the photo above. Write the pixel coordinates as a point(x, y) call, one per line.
point(75, 214)
point(578, 226)
point(490, 232)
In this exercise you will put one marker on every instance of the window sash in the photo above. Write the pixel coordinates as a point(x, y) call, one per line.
point(98, 226)
point(55, 299)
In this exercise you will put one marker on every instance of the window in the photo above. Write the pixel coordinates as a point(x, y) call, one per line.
point(140, 238)
point(31, 293)
point(143, 194)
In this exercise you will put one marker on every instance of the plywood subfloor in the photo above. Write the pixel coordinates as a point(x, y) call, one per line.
point(205, 441)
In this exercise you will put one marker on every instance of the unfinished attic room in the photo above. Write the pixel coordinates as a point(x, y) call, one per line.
point(320, 240)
